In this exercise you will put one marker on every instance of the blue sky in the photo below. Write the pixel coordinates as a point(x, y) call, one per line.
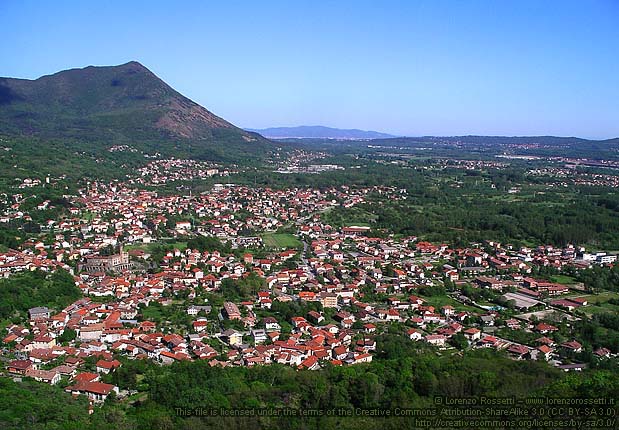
point(405, 67)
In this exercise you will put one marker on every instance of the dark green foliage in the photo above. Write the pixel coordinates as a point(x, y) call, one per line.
point(241, 289)
point(433, 290)
point(287, 310)
point(67, 335)
point(601, 331)
point(459, 341)
point(400, 381)
point(125, 377)
point(8, 238)
point(26, 290)
point(36, 406)
point(473, 212)
point(600, 278)
point(204, 243)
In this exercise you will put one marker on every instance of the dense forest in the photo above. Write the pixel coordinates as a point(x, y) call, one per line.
point(35, 406)
point(469, 213)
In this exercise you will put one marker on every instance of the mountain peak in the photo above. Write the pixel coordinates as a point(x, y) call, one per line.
point(135, 64)
point(119, 97)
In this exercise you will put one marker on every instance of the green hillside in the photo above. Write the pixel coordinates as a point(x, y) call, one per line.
point(95, 108)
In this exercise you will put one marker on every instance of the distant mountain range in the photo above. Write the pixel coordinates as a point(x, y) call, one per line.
point(125, 104)
point(84, 112)
point(318, 132)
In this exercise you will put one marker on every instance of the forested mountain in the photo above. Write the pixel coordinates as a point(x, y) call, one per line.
point(125, 104)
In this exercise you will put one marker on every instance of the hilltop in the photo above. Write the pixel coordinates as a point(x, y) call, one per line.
point(98, 107)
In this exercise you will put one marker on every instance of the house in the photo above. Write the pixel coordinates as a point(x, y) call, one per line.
point(414, 334)
point(431, 317)
point(167, 357)
point(512, 324)
point(328, 300)
point(369, 328)
point(472, 334)
point(545, 341)
point(194, 310)
point(582, 301)
point(259, 335)
point(572, 346)
point(271, 324)
point(436, 339)
point(572, 367)
point(65, 370)
point(86, 377)
point(200, 325)
point(91, 332)
point(183, 226)
point(544, 351)
point(248, 258)
point(354, 231)
point(19, 367)
point(107, 366)
point(447, 310)
point(234, 337)
point(48, 376)
point(310, 363)
point(602, 352)
point(361, 358)
point(566, 304)
point(39, 313)
point(315, 316)
point(96, 391)
point(487, 319)
point(490, 283)
point(544, 328)
point(518, 351)
point(489, 342)
point(273, 335)
point(43, 342)
point(106, 263)
point(393, 315)
point(340, 352)
point(232, 311)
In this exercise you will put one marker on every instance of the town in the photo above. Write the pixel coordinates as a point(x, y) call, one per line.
point(250, 276)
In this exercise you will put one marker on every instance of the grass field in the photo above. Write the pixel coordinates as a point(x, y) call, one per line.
point(600, 309)
point(600, 298)
point(604, 297)
point(598, 303)
point(152, 313)
point(562, 279)
point(281, 240)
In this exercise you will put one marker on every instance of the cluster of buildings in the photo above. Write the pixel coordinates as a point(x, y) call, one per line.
point(165, 171)
point(349, 283)
point(569, 176)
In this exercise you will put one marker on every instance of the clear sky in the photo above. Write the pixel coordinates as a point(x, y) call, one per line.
point(513, 67)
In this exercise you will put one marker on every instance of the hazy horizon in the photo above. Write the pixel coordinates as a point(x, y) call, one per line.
point(422, 135)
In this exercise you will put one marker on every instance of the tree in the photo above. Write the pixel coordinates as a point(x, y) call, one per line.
point(459, 341)
point(67, 335)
